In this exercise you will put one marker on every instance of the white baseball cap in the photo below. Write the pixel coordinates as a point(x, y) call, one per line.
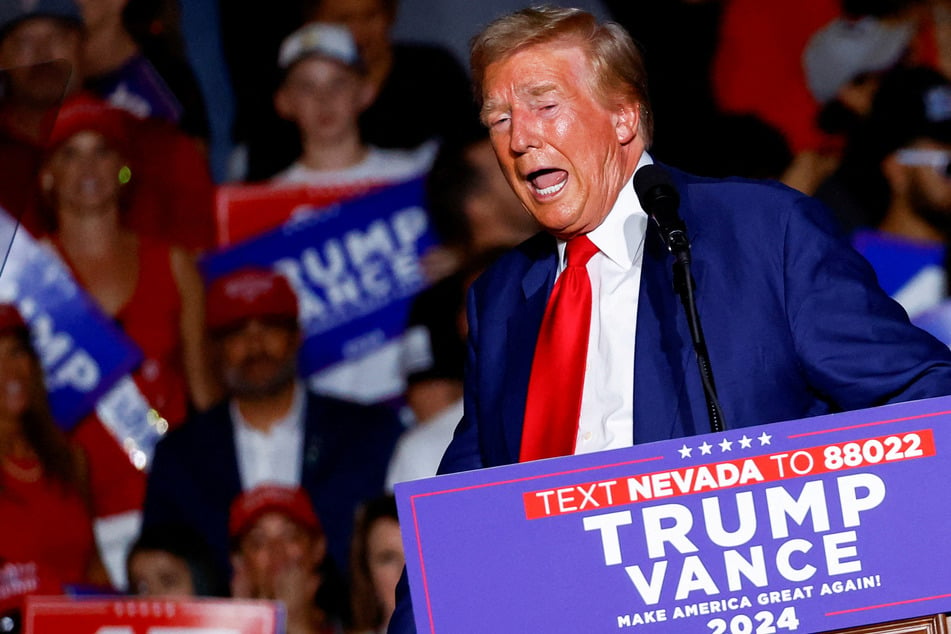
point(331, 41)
point(844, 49)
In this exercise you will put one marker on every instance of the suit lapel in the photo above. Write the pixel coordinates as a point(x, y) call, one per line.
point(521, 335)
point(313, 459)
point(663, 350)
point(222, 457)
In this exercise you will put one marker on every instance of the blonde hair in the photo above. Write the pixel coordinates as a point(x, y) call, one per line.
point(619, 71)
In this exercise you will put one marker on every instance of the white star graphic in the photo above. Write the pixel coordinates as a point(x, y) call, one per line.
point(764, 439)
point(685, 451)
point(745, 442)
point(705, 448)
point(726, 445)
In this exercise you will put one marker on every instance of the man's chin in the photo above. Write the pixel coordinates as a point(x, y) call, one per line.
point(257, 387)
point(256, 391)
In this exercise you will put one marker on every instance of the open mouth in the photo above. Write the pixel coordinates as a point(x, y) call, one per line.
point(548, 181)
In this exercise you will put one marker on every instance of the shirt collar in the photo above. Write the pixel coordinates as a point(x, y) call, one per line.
point(293, 420)
point(621, 235)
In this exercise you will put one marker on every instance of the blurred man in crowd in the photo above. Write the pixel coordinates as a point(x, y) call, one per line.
point(279, 553)
point(270, 428)
point(41, 51)
point(472, 207)
point(325, 89)
point(910, 133)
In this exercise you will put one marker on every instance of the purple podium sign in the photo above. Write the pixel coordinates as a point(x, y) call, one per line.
point(801, 526)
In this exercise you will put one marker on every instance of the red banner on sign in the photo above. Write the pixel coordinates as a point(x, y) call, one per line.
point(728, 474)
point(56, 615)
point(245, 211)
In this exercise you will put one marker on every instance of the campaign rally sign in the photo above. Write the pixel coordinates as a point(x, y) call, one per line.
point(355, 267)
point(244, 211)
point(82, 352)
point(56, 615)
point(803, 526)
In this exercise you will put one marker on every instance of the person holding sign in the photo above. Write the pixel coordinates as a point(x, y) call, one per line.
point(46, 538)
point(150, 288)
point(795, 322)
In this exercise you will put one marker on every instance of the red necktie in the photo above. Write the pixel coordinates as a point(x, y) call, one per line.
point(557, 380)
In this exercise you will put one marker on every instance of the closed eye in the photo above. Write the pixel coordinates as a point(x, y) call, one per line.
point(499, 121)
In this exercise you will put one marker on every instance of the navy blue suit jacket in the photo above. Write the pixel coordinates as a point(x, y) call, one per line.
point(795, 323)
point(347, 447)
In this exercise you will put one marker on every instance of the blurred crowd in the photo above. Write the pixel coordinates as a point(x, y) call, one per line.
point(120, 120)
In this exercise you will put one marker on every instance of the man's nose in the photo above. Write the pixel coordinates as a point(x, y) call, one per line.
point(524, 134)
point(253, 335)
point(41, 50)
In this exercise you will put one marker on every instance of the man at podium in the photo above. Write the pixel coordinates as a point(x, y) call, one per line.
point(578, 340)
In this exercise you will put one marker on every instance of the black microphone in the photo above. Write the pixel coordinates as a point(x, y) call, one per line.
point(656, 192)
point(659, 198)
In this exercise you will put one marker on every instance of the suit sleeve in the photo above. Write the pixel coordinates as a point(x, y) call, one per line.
point(463, 453)
point(856, 344)
point(402, 622)
point(161, 506)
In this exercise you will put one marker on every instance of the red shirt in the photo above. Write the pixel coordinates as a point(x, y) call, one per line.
point(43, 524)
point(758, 68)
point(151, 318)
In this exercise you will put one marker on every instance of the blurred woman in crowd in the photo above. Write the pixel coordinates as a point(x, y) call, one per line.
point(376, 562)
point(172, 561)
point(138, 74)
point(46, 539)
point(151, 289)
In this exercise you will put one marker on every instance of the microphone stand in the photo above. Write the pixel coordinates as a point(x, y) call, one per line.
point(659, 198)
point(679, 246)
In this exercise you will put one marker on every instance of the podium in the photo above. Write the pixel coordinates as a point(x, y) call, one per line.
point(935, 624)
point(827, 524)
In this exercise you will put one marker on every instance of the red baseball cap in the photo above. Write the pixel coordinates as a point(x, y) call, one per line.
point(11, 320)
point(83, 112)
point(290, 501)
point(248, 294)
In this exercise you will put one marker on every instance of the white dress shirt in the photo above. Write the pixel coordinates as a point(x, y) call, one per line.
point(607, 403)
point(420, 448)
point(275, 456)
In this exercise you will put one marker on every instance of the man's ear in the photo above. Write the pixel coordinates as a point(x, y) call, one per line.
point(46, 182)
point(283, 104)
point(895, 173)
point(368, 94)
point(319, 549)
point(627, 121)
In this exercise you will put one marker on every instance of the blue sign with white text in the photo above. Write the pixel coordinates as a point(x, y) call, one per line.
point(802, 526)
point(355, 267)
point(82, 352)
